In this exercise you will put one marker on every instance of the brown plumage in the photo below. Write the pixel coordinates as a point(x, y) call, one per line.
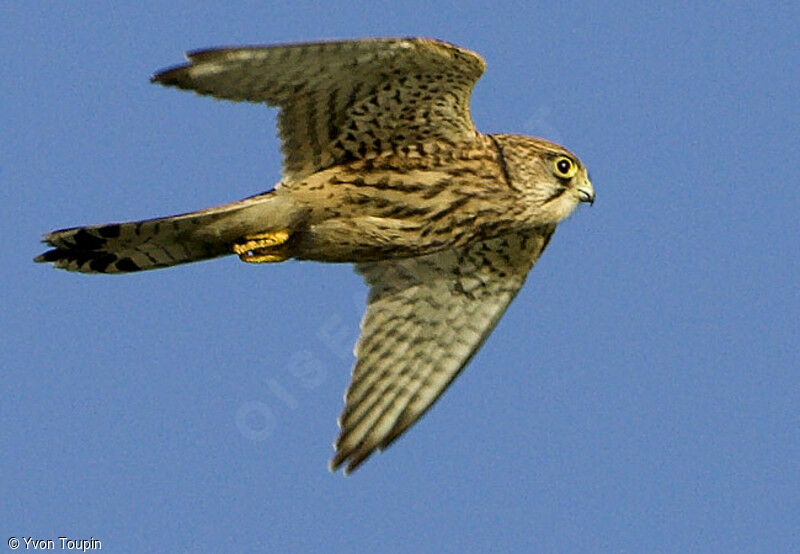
point(383, 168)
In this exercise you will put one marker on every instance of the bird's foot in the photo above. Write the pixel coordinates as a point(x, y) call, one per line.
point(263, 247)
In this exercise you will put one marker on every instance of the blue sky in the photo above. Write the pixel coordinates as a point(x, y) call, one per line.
point(641, 394)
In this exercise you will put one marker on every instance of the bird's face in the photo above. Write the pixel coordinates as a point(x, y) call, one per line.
point(550, 178)
point(563, 184)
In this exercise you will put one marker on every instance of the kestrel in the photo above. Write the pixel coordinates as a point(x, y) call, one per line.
point(382, 168)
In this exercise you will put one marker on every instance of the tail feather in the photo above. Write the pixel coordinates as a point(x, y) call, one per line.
point(162, 242)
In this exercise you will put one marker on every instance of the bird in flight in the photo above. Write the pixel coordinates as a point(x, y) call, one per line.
point(382, 168)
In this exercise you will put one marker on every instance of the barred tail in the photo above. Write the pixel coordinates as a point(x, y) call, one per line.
point(164, 242)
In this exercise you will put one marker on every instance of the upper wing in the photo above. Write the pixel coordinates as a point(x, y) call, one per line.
point(342, 100)
point(425, 319)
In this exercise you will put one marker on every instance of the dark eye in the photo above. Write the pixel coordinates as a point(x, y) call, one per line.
point(564, 167)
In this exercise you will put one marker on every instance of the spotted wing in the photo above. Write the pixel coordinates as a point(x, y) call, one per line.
point(343, 100)
point(425, 319)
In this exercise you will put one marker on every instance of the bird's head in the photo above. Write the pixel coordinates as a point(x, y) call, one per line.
point(550, 178)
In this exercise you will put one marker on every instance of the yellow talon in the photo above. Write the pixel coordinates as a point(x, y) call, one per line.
point(263, 248)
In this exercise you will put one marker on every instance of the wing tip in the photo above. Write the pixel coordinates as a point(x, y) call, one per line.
point(350, 456)
point(336, 462)
point(168, 75)
point(353, 459)
point(53, 255)
point(171, 76)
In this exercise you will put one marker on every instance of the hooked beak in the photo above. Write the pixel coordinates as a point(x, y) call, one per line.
point(586, 193)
